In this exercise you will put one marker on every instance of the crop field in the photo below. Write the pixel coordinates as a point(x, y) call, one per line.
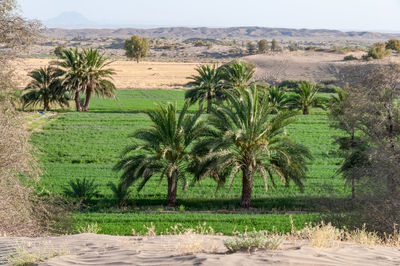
point(78, 145)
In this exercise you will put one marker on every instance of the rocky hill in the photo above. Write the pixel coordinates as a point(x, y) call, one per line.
point(234, 32)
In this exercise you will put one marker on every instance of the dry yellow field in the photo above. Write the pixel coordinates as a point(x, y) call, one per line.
point(129, 74)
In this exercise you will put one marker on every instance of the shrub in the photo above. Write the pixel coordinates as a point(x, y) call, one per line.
point(82, 190)
point(377, 51)
point(120, 192)
point(393, 44)
point(293, 47)
point(349, 58)
point(254, 240)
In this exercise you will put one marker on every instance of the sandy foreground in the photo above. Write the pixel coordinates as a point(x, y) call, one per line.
point(91, 249)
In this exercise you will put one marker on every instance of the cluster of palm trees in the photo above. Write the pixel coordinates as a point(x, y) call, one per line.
point(76, 72)
point(242, 134)
point(211, 83)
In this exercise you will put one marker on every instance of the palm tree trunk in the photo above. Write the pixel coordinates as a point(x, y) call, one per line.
point(87, 100)
point(305, 111)
point(209, 104)
point(353, 189)
point(46, 106)
point(247, 187)
point(77, 101)
point(172, 190)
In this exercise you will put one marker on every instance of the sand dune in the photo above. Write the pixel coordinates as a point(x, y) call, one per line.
point(90, 249)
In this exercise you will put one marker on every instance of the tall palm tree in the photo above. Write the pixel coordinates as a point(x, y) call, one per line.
point(71, 63)
point(206, 86)
point(96, 77)
point(277, 98)
point(164, 148)
point(305, 97)
point(244, 137)
point(238, 74)
point(45, 88)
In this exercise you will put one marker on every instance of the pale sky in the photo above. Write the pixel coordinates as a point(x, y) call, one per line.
point(378, 15)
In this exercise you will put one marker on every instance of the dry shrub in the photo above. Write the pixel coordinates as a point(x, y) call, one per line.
point(251, 241)
point(24, 212)
point(190, 242)
point(90, 229)
point(34, 253)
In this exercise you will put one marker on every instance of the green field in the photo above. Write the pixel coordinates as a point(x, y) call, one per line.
point(78, 145)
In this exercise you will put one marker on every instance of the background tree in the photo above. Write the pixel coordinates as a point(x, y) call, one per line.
point(96, 78)
point(278, 98)
point(206, 86)
point(306, 96)
point(244, 137)
point(393, 44)
point(237, 74)
point(262, 46)
point(58, 50)
point(72, 65)
point(136, 47)
point(164, 148)
point(375, 90)
point(45, 88)
point(251, 48)
point(274, 45)
point(351, 144)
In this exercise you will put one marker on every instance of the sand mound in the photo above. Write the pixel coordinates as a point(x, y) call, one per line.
point(90, 249)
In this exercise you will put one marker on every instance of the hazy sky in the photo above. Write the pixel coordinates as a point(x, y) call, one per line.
point(381, 15)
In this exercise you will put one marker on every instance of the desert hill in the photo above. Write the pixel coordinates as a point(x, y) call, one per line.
point(233, 32)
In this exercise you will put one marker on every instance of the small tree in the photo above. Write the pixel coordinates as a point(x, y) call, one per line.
point(262, 46)
point(251, 48)
point(136, 47)
point(274, 45)
point(393, 44)
point(58, 50)
point(293, 47)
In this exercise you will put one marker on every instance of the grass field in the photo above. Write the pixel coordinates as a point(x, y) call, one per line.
point(78, 145)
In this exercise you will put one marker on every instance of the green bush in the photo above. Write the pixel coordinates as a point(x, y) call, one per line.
point(82, 190)
point(393, 44)
point(350, 58)
point(377, 51)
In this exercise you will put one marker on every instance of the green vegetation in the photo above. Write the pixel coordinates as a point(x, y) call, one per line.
point(123, 223)
point(45, 88)
point(275, 45)
point(136, 47)
point(262, 46)
point(393, 44)
point(88, 145)
point(85, 72)
point(163, 149)
point(247, 139)
point(377, 51)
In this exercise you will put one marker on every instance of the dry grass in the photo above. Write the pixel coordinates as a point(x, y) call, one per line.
point(33, 253)
point(90, 229)
point(129, 74)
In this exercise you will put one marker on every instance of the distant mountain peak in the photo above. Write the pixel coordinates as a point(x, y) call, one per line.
point(70, 19)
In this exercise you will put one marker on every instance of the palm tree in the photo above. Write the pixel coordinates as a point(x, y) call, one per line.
point(277, 98)
point(305, 97)
point(244, 137)
point(238, 74)
point(45, 88)
point(71, 63)
point(206, 85)
point(96, 77)
point(164, 148)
